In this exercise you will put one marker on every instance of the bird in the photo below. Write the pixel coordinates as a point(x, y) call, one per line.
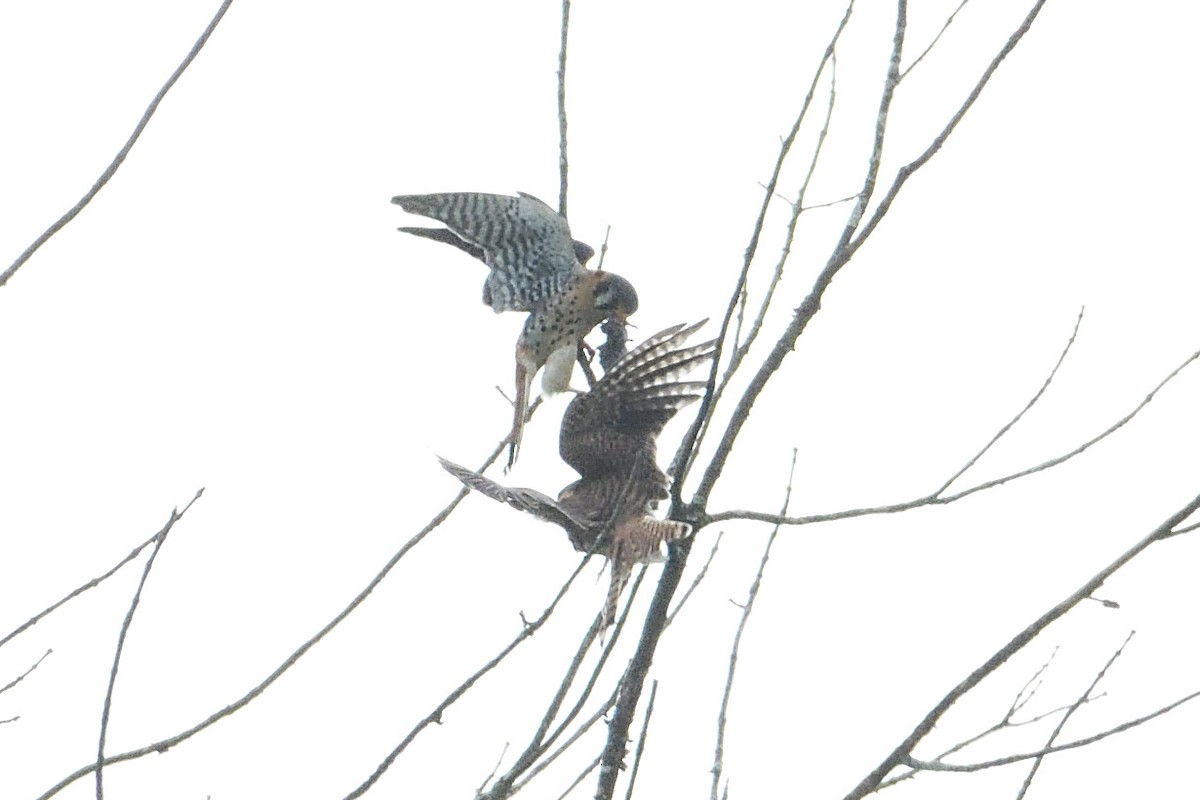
point(608, 435)
point(534, 266)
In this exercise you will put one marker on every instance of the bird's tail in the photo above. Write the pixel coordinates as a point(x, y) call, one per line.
point(635, 542)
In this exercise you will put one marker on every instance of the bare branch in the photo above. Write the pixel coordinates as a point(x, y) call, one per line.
point(1084, 742)
point(936, 498)
point(688, 446)
point(94, 582)
point(1032, 401)
point(244, 700)
point(527, 630)
point(123, 152)
point(902, 754)
point(24, 674)
point(540, 742)
point(699, 577)
point(116, 663)
point(637, 755)
point(562, 112)
point(925, 52)
point(842, 253)
point(568, 742)
point(742, 347)
point(723, 714)
point(1037, 762)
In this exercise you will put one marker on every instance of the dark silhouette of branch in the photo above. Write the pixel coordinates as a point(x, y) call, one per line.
point(641, 747)
point(1083, 698)
point(562, 111)
point(163, 744)
point(723, 715)
point(902, 754)
point(937, 498)
point(116, 663)
point(123, 152)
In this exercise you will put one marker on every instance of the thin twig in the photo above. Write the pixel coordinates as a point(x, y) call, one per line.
point(580, 777)
point(641, 747)
point(116, 662)
point(699, 577)
point(902, 754)
point(916, 763)
point(1083, 698)
point(123, 152)
point(597, 715)
point(93, 583)
point(562, 111)
point(495, 769)
point(528, 629)
point(171, 741)
point(687, 448)
point(742, 347)
point(1032, 401)
point(24, 674)
point(925, 52)
point(841, 255)
point(938, 499)
point(723, 715)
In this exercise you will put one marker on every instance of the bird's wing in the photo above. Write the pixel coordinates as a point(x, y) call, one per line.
point(527, 245)
point(642, 391)
point(530, 501)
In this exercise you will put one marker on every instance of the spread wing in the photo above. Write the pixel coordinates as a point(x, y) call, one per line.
point(613, 427)
point(583, 250)
point(527, 245)
point(530, 501)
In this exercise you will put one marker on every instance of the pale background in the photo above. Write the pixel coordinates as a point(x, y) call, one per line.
point(236, 311)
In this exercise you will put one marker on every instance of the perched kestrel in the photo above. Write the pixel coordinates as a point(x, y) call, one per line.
point(535, 267)
point(608, 436)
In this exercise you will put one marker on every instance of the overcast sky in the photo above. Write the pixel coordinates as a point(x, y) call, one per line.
point(236, 311)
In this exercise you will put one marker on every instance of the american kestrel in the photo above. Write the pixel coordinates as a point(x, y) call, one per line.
point(535, 267)
point(608, 436)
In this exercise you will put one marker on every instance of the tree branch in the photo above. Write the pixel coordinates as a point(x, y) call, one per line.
point(123, 152)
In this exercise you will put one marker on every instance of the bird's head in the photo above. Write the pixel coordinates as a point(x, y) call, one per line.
point(615, 296)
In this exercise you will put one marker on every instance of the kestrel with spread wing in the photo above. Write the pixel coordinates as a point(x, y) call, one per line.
point(535, 266)
point(609, 437)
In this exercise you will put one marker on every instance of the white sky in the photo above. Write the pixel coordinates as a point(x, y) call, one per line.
point(236, 311)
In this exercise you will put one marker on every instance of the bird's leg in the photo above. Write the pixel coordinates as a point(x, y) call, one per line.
point(524, 380)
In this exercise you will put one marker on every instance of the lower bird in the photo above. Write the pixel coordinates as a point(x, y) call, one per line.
point(608, 436)
point(535, 266)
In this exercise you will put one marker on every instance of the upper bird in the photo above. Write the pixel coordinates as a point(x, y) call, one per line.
point(609, 437)
point(534, 266)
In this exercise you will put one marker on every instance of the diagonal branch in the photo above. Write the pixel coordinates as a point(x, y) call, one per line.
point(723, 715)
point(902, 754)
point(936, 498)
point(94, 582)
point(171, 741)
point(123, 152)
point(112, 677)
point(687, 447)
